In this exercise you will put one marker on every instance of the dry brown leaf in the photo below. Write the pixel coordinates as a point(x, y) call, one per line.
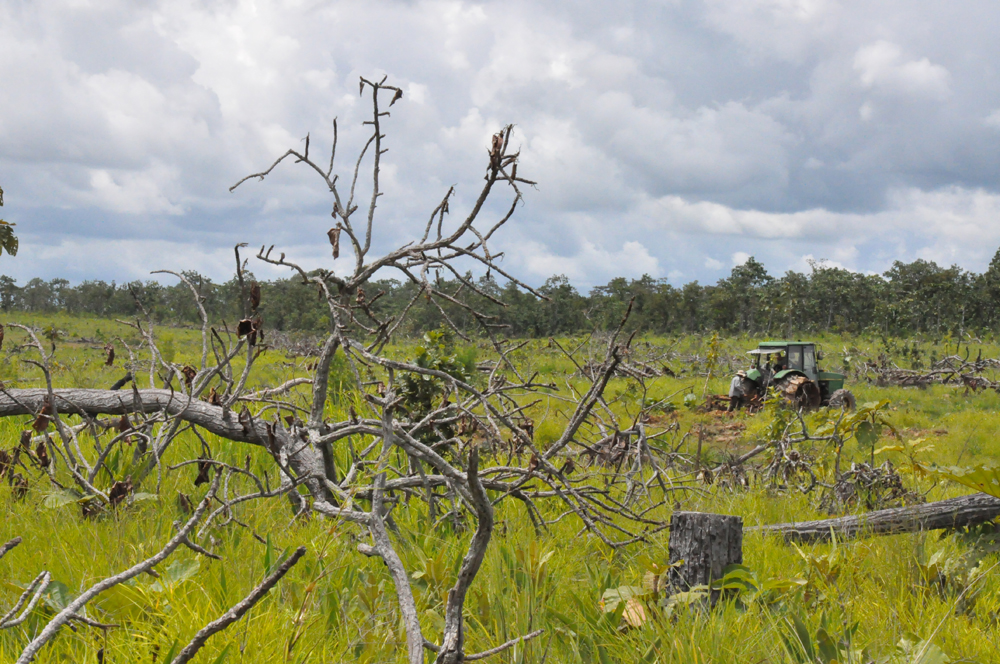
point(635, 613)
point(42, 421)
point(244, 327)
point(19, 486)
point(254, 295)
point(334, 235)
point(203, 467)
point(42, 454)
point(6, 463)
point(120, 491)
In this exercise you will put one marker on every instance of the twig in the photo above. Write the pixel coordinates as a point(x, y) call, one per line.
point(239, 609)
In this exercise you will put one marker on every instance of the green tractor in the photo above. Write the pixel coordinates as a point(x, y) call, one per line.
point(790, 367)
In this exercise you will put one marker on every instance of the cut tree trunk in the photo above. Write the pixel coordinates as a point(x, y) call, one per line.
point(706, 543)
point(952, 513)
point(78, 401)
point(305, 460)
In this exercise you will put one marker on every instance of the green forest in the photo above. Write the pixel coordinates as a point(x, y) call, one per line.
point(920, 297)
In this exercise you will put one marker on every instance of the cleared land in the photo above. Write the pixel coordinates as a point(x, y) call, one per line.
point(876, 594)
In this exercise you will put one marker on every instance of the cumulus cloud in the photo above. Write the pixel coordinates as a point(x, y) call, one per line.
point(632, 260)
point(132, 192)
point(809, 262)
point(788, 29)
point(952, 225)
point(664, 136)
point(882, 66)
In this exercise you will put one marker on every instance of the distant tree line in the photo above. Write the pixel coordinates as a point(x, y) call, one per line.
point(910, 298)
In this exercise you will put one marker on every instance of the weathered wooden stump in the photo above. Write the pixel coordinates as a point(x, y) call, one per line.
point(706, 543)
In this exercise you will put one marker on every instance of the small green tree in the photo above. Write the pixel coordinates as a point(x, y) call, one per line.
point(422, 392)
point(8, 241)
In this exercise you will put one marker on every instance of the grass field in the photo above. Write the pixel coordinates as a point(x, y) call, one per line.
point(938, 593)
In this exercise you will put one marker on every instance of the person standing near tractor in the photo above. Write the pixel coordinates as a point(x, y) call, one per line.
point(736, 391)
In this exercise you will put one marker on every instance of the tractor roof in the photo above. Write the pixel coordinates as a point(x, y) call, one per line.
point(771, 347)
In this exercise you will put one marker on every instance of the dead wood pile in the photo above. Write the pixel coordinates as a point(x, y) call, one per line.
point(974, 375)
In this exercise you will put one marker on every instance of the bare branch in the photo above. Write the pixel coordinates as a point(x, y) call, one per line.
point(68, 613)
point(238, 610)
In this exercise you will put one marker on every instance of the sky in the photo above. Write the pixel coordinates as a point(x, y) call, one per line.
point(672, 138)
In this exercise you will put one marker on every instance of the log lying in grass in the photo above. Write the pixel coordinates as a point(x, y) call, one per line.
point(952, 513)
point(91, 402)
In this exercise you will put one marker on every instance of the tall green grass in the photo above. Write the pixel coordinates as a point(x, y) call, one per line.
point(339, 606)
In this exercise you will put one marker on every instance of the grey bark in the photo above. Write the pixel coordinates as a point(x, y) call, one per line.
point(707, 543)
point(72, 401)
point(383, 547)
point(454, 632)
point(952, 513)
point(301, 456)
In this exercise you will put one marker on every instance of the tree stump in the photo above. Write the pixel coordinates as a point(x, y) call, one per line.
point(706, 543)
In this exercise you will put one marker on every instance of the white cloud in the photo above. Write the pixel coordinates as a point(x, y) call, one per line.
point(71, 258)
point(632, 260)
point(955, 220)
point(882, 66)
point(739, 258)
point(680, 214)
point(948, 225)
point(131, 192)
point(659, 136)
point(787, 29)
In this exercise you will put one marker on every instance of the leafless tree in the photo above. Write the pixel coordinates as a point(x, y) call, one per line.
point(475, 444)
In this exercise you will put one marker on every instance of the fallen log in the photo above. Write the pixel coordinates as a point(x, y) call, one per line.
point(952, 513)
point(91, 402)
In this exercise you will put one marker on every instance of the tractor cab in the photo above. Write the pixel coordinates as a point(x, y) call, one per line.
point(785, 357)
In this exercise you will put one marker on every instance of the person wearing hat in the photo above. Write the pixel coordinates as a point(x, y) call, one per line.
point(736, 391)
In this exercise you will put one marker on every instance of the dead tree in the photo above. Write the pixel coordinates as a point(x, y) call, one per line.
point(393, 448)
point(960, 512)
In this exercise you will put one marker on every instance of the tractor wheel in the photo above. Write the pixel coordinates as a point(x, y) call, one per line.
point(800, 392)
point(843, 399)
